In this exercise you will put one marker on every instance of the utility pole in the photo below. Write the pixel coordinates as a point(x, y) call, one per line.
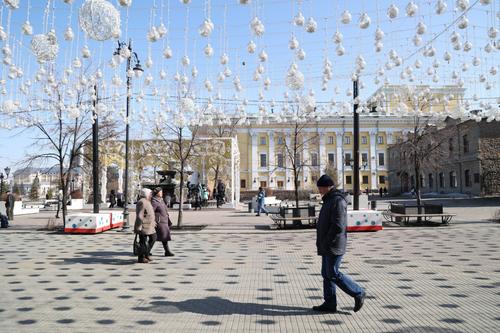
point(95, 153)
point(356, 147)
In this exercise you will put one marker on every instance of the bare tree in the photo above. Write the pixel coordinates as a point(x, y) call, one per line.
point(62, 141)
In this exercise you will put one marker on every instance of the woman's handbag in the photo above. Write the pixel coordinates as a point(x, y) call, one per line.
point(137, 245)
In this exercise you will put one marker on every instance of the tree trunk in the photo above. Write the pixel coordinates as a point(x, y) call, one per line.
point(181, 193)
point(296, 186)
point(216, 175)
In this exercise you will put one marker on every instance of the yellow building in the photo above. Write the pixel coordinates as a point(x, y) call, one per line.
point(327, 145)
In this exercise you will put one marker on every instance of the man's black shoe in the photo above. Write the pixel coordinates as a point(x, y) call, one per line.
point(359, 301)
point(325, 308)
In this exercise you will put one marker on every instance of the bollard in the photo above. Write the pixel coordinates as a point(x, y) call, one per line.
point(373, 205)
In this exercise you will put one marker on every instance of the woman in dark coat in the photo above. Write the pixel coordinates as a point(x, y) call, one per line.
point(162, 220)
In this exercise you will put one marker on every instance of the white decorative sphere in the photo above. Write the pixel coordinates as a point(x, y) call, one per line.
point(45, 47)
point(100, 20)
point(13, 4)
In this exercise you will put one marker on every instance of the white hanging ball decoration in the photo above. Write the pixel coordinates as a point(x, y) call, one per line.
point(162, 30)
point(77, 63)
point(257, 27)
point(148, 79)
point(99, 19)
point(463, 22)
point(311, 25)
point(208, 50)
point(163, 74)
point(13, 4)
point(447, 56)
point(465, 67)
point(293, 43)
point(485, 2)
point(167, 52)
point(251, 47)
point(244, 2)
point(260, 69)
point(482, 78)
point(149, 62)
point(185, 60)
point(441, 7)
point(364, 21)
point(338, 37)
point(379, 46)
point(462, 5)
point(493, 70)
point(294, 78)
point(221, 77)
point(454, 75)
point(346, 17)
point(206, 28)
point(417, 40)
point(227, 72)
point(3, 34)
point(86, 52)
point(492, 32)
point(476, 61)
point(177, 77)
point(184, 79)
point(392, 12)
point(299, 19)
point(421, 28)
point(467, 46)
point(208, 85)
point(340, 50)
point(224, 59)
point(301, 54)
point(263, 56)
point(379, 34)
point(457, 46)
point(27, 28)
point(186, 2)
point(411, 9)
point(125, 3)
point(488, 48)
point(45, 46)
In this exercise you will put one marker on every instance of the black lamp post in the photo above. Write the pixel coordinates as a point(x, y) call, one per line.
point(355, 167)
point(1, 182)
point(138, 72)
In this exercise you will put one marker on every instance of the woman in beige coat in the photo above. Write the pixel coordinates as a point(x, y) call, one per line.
point(145, 226)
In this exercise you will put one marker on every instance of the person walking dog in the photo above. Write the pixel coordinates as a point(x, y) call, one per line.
point(331, 244)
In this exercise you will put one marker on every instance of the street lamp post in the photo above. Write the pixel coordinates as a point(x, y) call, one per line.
point(356, 148)
point(138, 72)
point(1, 183)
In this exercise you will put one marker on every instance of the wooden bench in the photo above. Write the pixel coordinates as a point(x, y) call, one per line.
point(278, 220)
point(445, 217)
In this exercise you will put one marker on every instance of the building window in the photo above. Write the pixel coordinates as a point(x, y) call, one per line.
point(280, 184)
point(348, 159)
point(466, 143)
point(441, 179)
point(280, 140)
point(380, 140)
point(422, 181)
point(331, 158)
point(476, 178)
point(381, 160)
point(297, 160)
point(450, 145)
point(280, 160)
point(453, 179)
point(243, 183)
point(263, 160)
point(347, 140)
point(431, 180)
point(314, 179)
point(381, 179)
point(365, 179)
point(348, 180)
point(262, 140)
point(364, 158)
point(412, 181)
point(468, 180)
point(263, 184)
point(314, 159)
point(364, 140)
point(330, 140)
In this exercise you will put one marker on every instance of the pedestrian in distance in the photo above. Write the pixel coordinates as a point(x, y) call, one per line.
point(381, 192)
point(331, 242)
point(145, 226)
point(59, 202)
point(261, 196)
point(162, 220)
point(9, 205)
point(112, 199)
point(385, 191)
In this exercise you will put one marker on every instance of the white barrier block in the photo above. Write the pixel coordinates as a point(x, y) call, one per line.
point(364, 220)
point(116, 218)
point(88, 223)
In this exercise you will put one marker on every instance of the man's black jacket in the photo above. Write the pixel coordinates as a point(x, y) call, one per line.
point(331, 228)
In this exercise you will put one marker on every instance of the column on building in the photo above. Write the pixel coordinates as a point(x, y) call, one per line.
point(255, 161)
point(373, 159)
point(103, 182)
point(288, 164)
point(305, 161)
point(340, 158)
point(271, 160)
point(322, 158)
point(120, 180)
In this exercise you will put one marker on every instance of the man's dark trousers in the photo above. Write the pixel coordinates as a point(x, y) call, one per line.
point(332, 276)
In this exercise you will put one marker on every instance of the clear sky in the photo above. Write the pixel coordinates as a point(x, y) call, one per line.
point(231, 35)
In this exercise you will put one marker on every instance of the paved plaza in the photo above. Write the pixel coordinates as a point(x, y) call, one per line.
point(420, 279)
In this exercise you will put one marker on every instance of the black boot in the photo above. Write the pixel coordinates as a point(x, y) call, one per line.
point(167, 250)
point(359, 301)
point(325, 307)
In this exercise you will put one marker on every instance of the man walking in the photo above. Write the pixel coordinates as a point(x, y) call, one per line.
point(9, 205)
point(260, 202)
point(331, 243)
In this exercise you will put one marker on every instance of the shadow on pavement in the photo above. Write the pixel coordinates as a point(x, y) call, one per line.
point(216, 306)
point(99, 258)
